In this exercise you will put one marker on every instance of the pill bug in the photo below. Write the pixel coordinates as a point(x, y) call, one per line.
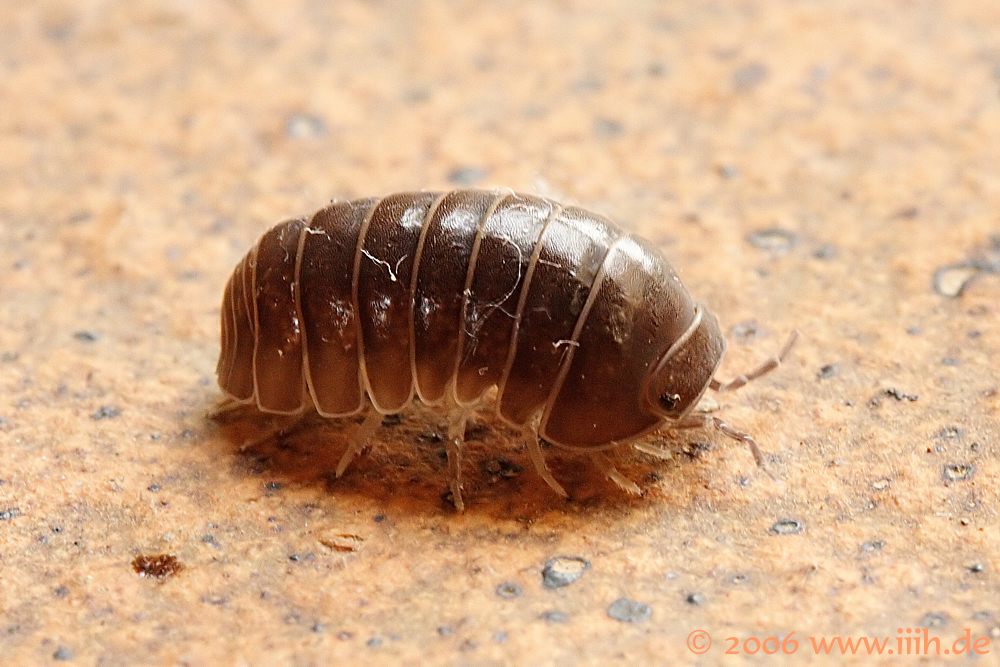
point(585, 331)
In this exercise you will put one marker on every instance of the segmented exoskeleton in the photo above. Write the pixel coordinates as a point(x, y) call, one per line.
point(586, 331)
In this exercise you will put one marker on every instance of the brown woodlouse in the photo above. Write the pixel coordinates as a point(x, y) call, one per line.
point(586, 331)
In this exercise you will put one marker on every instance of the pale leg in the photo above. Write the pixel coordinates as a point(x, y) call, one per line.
point(659, 452)
point(602, 461)
point(763, 369)
point(707, 421)
point(538, 458)
point(453, 447)
point(227, 405)
point(275, 432)
point(360, 438)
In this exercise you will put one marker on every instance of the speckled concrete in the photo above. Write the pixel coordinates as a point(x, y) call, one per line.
point(830, 167)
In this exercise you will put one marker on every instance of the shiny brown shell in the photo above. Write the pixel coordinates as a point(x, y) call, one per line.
point(444, 296)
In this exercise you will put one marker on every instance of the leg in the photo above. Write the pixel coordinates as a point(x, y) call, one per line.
point(362, 434)
point(763, 369)
point(707, 421)
point(652, 450)
point(538, 458)
point(453, 446)
point(275, 432)
point(227, 405)
point(602, 461)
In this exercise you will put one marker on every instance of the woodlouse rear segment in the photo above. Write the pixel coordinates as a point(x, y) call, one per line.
point(585, 331)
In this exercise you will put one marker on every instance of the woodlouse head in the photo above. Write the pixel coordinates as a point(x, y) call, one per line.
point(683, 373)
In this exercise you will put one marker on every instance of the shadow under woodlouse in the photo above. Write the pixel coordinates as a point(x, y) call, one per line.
point(405, 465)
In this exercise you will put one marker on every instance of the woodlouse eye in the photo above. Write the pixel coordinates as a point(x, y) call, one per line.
point(669, 401)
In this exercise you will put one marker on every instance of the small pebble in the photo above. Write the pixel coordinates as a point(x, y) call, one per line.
point(156, 566)
point(305, 126)
point(609, 128)
point(786, 527)
point(466, 175)
point(749, 76)
point(696, 599)
point(776, 241)
point(871, 546)
point(563, 571)
point(9, 513)
point(62, 653)
point(744, 330)
point(85, 336)
point(727, 171)
point(554, 616)
point(900, 395)
point(827, 372)
point(934, 619)
point(106, 412)
point(508, 590)
point(825, 252)
point(976, 568)
point(951, 281)
point(881, 484)
point(629, 611)
point(958, 472)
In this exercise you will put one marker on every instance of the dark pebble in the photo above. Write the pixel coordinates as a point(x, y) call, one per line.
point(825, 252)
point(466, 175)
point(106, 412)
point(608, 128)
point(85, 336)
point(695, 599)
point(508, 590)
point(10, 513)
point(553, 616)
point(629, 611)
point(934, 619)
point(749, 76)
point(777, 241)
point(827, 372)
point(62, 653)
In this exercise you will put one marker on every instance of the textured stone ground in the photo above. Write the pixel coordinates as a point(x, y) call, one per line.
point(830, 167)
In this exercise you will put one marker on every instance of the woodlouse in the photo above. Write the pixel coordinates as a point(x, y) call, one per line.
point(585, 331)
